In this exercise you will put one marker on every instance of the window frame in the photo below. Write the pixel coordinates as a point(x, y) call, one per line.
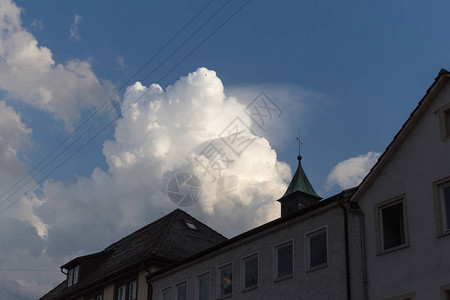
point(444, 113)
point(441, 218)
point(220, 295)
point(308, 237)
point(126, 282)
point(379, 224)
point(176, 288)
point(243, 259)
point(275, 261)
point(170, 287)
point(197, 285)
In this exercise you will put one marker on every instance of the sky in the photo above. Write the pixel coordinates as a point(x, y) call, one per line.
point(103, 103)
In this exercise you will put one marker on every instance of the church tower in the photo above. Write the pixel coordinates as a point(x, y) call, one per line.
point(299, 194)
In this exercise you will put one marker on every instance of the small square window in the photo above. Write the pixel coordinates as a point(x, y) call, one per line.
point(283, 260)
point(250, 267)
point(203, 286)
point(316, 249)
point(181, 291)
point(190, 225)
point(225, 280)
point(392, 225)
point(167, 293)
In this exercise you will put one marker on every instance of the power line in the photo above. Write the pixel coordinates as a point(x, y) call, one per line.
point(99, 108)
point(112, 108)
point(127, 108)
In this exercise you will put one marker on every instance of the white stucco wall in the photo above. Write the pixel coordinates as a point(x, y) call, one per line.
point(424, 266)
point(325, 283)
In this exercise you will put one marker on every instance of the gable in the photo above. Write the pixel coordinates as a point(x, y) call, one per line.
point(418, 146)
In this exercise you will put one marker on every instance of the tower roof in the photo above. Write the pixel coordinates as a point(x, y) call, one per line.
point(300, 182)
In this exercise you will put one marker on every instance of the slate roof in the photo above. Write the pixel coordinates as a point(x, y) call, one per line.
point(163, 242)
point(300, 182)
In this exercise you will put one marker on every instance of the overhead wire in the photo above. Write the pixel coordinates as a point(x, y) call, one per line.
point(104, 103)
point(127, 108)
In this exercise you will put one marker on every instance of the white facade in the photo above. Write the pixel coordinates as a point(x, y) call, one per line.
point(414, 264)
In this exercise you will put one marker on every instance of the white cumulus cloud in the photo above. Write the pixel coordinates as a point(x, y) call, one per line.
point(350, 172)
point(74, 31)
point(29, 73)
point(162, 134)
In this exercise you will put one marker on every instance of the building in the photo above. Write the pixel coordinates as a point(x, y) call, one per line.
point(406, 203)
point(386, 239)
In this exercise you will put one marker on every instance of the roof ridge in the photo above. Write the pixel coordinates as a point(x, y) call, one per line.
point(165, 232)
point(140, 230)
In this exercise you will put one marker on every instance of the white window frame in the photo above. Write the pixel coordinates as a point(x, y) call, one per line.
point(275, 262)
point(379, 223)
point(308, 237)
point(230, 264)
point(127, 289)
point(185, 282)
point(167, 288)
point(243, 259)
point(69, 277)
point(197, 284)
point(76, 271)
point(441, 218)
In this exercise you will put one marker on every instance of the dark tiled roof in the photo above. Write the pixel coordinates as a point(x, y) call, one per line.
point(164, 241)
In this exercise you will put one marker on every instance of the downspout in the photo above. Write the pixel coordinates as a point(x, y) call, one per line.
point(347, 253)
point(362, 237)
point(150, 286)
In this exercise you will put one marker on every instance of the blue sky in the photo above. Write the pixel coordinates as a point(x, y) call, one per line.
point(348, 74)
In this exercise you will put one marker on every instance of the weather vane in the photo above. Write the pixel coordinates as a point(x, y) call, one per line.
point(299, 143)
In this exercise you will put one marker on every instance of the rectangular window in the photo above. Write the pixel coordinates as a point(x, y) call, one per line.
point(203, 287)
point(225, 280)
point(445, 204)
point(250, 271)
point(127, 291)
point(392, 224)
point(75, 274)
point(283, 260)
point(167, 293)
point(181, 291)
point(70, 277)
point(99, 297)
point(316, 249)
point(121, 292)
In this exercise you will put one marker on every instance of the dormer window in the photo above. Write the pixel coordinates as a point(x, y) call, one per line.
point(72, 276)
point(190, 225)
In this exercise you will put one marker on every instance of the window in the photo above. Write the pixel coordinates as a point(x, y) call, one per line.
point(167, 293)
point(316, 249)
point(250, 272)
point(97, 297)
point(127, 291)
point(181, 291)
point(72, 276)
point(444, 121)
point(392, 224)
point(444, 193)
point(203, 287)
point(225, 280)
point(190, 225)
point(409, 296)
point(283, 260)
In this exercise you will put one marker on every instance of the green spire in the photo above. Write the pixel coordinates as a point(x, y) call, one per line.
point(300, 182)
